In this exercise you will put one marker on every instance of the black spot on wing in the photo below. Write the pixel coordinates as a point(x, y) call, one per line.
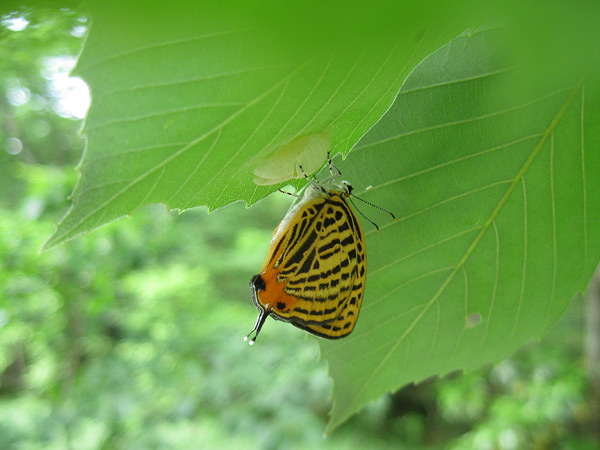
point(330, 245)
point(297, 281)
point(330, 310)
point(258, 283)
point(348, 241)
point(299, 253)
point(307, 262)
point(329, 221)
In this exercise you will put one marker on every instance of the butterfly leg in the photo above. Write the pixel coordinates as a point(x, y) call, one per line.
point(289, 193)
point(310, 180)
point(333, 171)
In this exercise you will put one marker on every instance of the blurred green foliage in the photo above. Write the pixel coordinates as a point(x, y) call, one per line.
point(131, 337)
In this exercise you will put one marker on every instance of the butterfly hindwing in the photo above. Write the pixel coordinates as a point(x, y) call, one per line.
point(315, 273)
point(342, 260)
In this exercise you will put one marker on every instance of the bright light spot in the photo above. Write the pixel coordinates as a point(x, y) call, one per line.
point(38, 102)
point(78, 31)
point(75, 98)
point(504, 373)
point(15, 23)
point(13, 146)
point(41, 128)
point(18, 96)
point(33, 208)
point(72, 94)
point(57, 67)
point(483, 440)
point(473, 319)
point(508, 439)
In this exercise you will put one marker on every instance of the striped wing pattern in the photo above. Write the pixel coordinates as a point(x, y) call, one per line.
point(314, 275)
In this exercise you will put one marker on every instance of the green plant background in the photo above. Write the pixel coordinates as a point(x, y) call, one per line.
point(131, 336)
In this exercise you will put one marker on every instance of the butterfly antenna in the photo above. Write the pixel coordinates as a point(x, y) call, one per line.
point(375, 206)
point(360, 212)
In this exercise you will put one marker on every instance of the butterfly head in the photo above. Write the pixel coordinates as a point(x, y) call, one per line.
point(325, 189)
point(346, 188)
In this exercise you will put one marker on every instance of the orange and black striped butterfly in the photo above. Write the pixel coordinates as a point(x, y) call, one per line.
point(315, 272)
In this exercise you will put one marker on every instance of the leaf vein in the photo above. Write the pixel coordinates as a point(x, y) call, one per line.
point(117, 56)
point(454, 161)
point(189, 177)
point(497, 274)
point(585, 232)
point(400, 74)
point(443, 202)
point(165, 114)
point(423, 249)
point(405, 283)
point(554, 256)
point(467, 120)
point(214, 76)
point(177, 154)
point(520, 174)
point(246, 141)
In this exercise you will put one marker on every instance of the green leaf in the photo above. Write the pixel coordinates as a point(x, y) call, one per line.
point(189, 97)
point(495, 186)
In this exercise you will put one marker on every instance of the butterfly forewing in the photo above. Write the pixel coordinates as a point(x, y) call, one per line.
point(314, 274)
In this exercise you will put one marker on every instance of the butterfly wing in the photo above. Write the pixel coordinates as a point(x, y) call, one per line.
point(315, 272)
point(342, 259)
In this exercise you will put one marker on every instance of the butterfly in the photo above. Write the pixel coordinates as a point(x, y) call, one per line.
point(315, 271)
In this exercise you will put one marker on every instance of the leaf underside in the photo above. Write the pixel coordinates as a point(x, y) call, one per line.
point(497, 228)
point(188, 99)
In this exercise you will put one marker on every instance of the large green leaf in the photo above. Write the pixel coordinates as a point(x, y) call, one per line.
point(495, 183)
point(189, 97)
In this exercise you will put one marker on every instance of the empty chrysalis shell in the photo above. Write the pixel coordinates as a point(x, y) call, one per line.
point(307, 151)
